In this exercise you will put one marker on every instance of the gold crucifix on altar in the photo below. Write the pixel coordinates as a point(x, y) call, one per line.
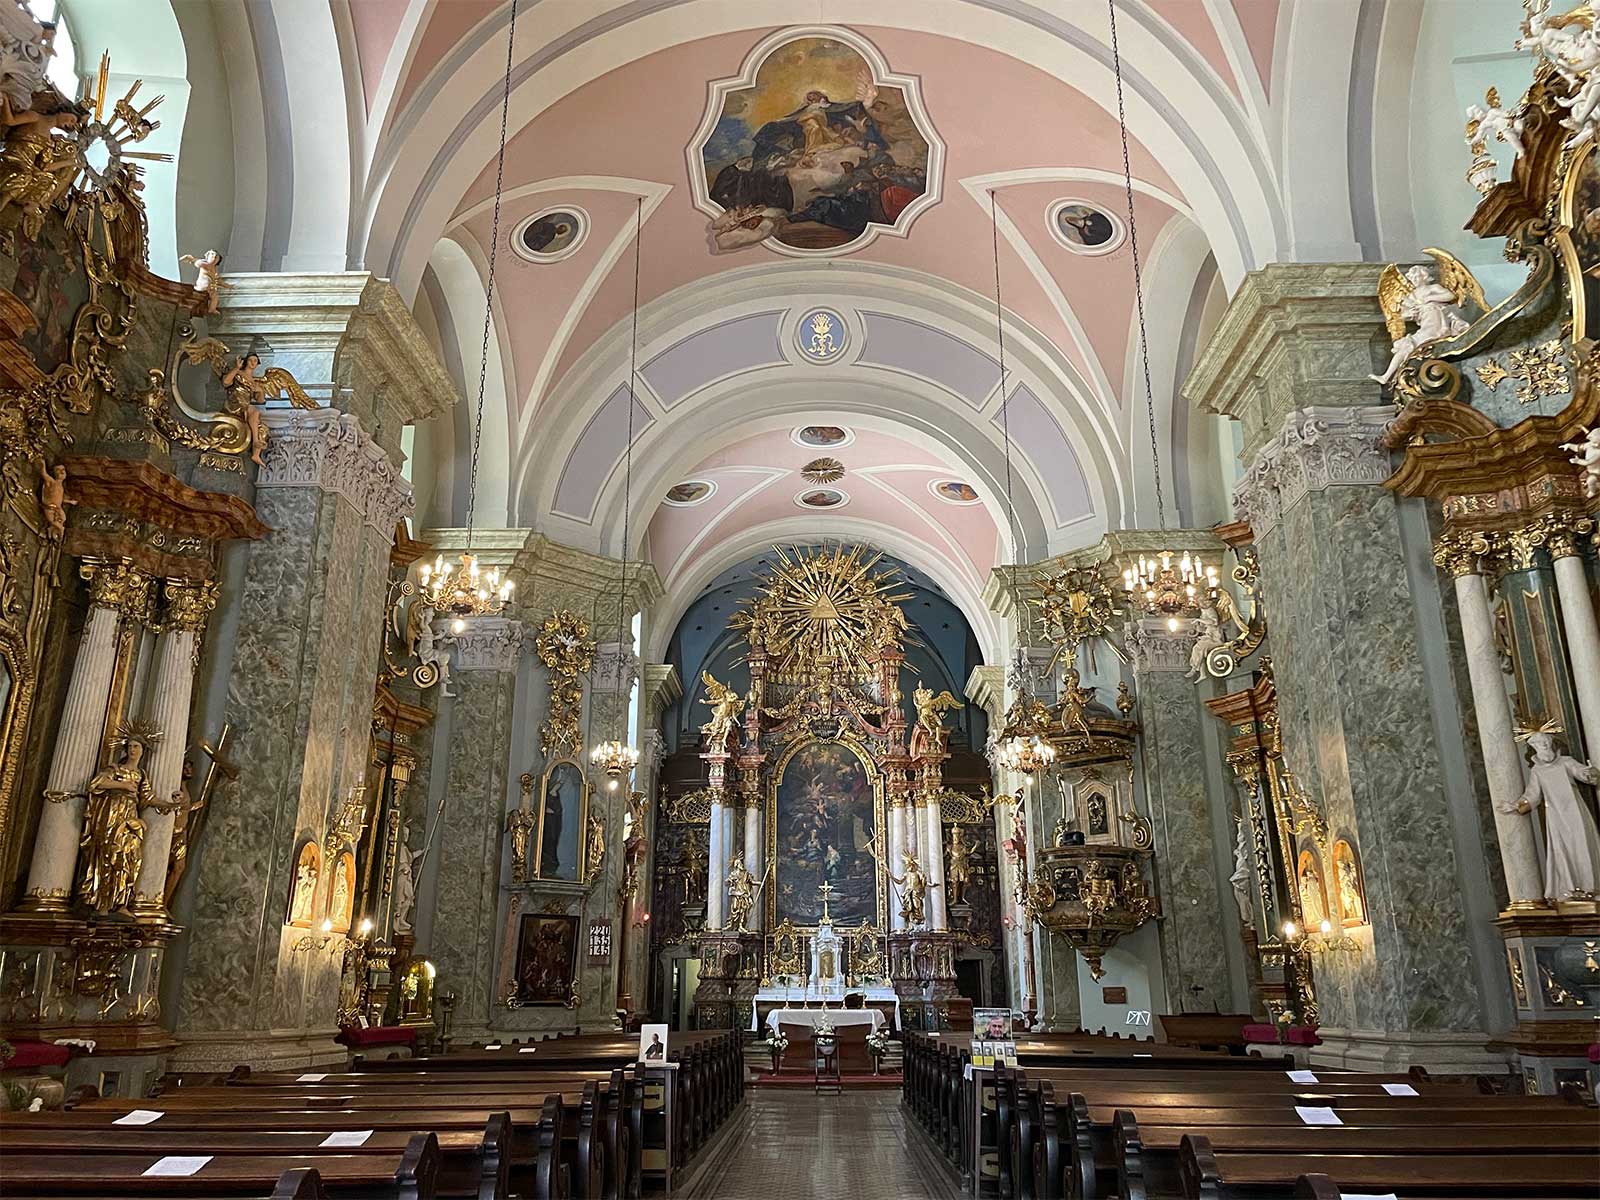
point(825, 891)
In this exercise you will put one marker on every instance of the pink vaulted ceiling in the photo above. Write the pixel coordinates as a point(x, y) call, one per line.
point(886, 479)
point(635, 122)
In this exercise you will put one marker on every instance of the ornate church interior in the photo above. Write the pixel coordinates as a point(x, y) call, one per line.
point(602, 598)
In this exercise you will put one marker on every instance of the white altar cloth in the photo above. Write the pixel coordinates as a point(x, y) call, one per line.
point(836, 1017)
point(802, 998)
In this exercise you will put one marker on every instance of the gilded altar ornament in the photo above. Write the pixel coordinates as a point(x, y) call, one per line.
point(726, 705)
point(1076, 605)
point(567, 653)
point(1075, 701)
point(823, 470)
point(958, 867)
point(1572, 844)
point(520, 825)
point(1586, 457)
point(111, 847)
point(53, 500)
point(930, 713)
point(743, 891)
point(1428, 299)
point(1541, 371)
point(594, 849)
point(36, 167)
point(238, 427)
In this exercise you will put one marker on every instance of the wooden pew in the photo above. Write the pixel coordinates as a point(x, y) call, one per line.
point(410, 1175)
point(297, 1183)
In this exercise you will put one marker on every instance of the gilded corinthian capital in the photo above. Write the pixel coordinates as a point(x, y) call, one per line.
point(1462, 553)
point(189, 604)
point(116, 583)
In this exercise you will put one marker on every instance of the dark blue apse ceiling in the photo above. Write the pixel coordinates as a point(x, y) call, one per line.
point(703, 642)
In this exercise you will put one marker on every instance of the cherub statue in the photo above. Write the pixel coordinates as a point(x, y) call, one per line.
point(931, 710)
point(1572, 844)
point(1208, 637)
point(1496, 122)
point(913, 887)
point(435, 651)
point(1074, 704)
point(1428, 300)
point(1586, 454)
point(208, 281)
point(726, 705)
point(53, 500)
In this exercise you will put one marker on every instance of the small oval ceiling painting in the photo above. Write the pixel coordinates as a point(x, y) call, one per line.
point(690, 491)
point(550, 236)
point(1085, 229)
point(822, 497)
point(815, 148)
point(954, 491)
point(822, 437)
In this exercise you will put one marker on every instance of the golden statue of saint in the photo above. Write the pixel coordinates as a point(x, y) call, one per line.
point(958, 871)
point(112, 844)
point(520, 825)
point(931, 709)
point(913, 887)
point(742, 888)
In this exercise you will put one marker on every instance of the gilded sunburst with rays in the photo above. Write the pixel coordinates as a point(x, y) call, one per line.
point(105, 163)
point(831, 606)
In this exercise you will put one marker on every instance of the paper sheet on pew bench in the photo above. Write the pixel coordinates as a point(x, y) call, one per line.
point(1302, 1076)
point(346, 1137)
point(139, 1116)
point(177, 1164)
point(1313, 1114)
point(1367, 1196)
point(1400, 1089)
point(494, 1046)
point(313, 1077)
point(526, 1049)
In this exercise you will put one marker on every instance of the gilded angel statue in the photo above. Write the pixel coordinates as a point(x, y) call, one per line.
point(726, 705)
point(1428, 300)
point(931, 709)
point(247, 390)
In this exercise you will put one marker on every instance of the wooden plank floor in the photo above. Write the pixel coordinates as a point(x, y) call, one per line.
point(790, 1144)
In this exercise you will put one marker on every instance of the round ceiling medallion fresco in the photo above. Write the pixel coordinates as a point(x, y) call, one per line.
point(1086, 228)
point(822, 497)
point(551, 235)
point(821, 336)
point(689, 492)
point(822, 437)
point(953, 491)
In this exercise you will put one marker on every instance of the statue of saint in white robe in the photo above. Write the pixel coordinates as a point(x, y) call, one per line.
point(1572, 843)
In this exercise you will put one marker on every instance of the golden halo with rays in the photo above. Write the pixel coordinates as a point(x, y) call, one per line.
point(824, 607)
point(823, 470)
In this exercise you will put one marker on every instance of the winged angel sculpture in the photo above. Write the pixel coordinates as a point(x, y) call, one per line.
point(1428, 300)
point(726, 705)
point(248, 387)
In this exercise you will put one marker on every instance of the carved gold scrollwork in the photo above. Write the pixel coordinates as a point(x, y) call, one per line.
point(567, 652)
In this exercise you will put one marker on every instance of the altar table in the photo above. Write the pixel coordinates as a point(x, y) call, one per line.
point(880, 998)
point(838, 1018)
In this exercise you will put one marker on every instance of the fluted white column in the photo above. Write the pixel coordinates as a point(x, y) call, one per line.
point(114, 590)
point(716, 865)
point(189, 603)
point(1583, 636)
point(933, 861)
point(893, 861)
point(1502, 762)
point(755, 861)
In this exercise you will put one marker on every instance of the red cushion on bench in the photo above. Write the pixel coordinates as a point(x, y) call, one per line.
point(1594, 1053)
point(1304, 1035)
point(377, 1035)
point(38, 1054)
point(1298, 1035)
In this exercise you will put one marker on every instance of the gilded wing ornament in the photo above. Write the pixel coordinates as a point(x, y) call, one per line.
point(207, 350)
point(1454, 275)
point(276, 381)
point(1393, 288)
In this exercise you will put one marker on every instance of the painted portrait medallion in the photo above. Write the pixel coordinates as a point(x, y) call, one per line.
point(822, 437)
point(1084, 228)
point(550, 236)
point(826, 820)
point(954, 491)
point(822, 497)
point(815, 148)
point(690, 491)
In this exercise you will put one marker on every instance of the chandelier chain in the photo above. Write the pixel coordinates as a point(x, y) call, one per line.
point(488, 291)
point(627, 470)
point(1138, 284)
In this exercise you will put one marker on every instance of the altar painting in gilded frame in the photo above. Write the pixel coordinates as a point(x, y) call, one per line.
point(824, 811)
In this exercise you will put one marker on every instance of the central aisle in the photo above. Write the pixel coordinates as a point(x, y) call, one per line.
point(791, 1144)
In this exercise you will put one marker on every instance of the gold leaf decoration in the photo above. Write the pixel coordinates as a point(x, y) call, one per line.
point(823, 470)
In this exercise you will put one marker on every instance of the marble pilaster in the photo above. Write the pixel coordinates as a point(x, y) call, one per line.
point(1583, 636)
point(1193, 950)
point(933, 864)
point(298, 683)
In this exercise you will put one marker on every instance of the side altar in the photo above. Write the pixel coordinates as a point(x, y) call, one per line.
point(825, 841)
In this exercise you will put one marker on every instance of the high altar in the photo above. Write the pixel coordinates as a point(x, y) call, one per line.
point(824, 806)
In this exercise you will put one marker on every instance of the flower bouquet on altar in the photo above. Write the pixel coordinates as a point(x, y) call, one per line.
point(877, 1046)
point(776, 1045)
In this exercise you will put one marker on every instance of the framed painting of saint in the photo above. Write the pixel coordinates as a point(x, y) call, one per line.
point(547, 955)
point(824, 814)
point(563, 807)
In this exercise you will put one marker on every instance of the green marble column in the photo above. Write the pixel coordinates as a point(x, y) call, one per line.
point(295, 658)
point(1365, 667)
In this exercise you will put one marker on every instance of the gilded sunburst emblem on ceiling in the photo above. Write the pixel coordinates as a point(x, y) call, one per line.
point(831, 605)
point(823, 470)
